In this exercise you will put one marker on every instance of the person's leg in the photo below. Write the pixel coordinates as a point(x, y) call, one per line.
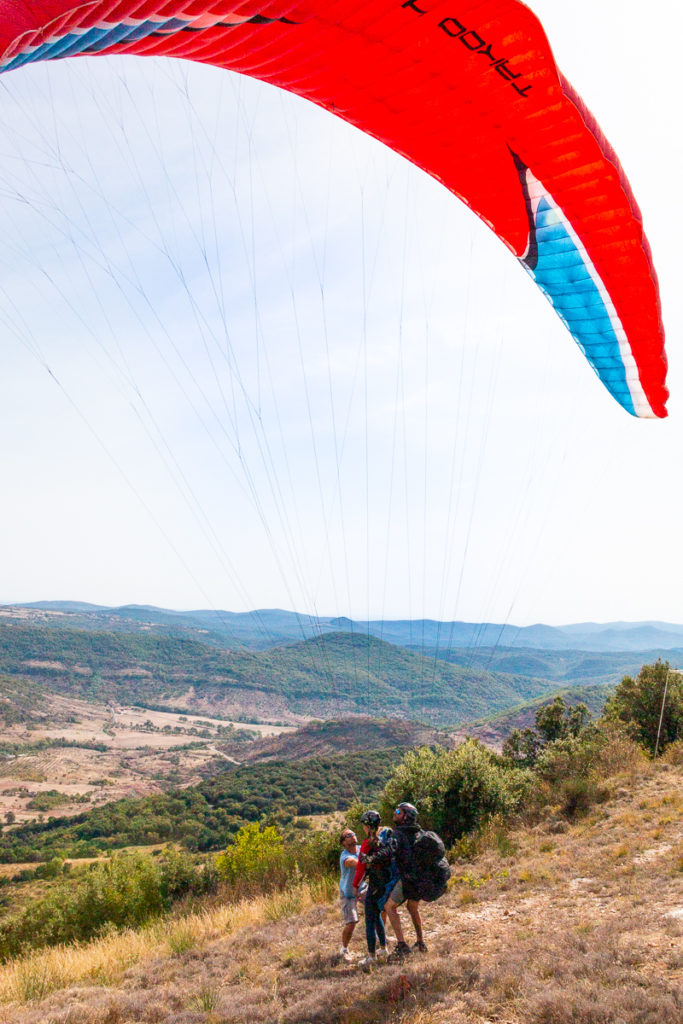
point(349, 920)
point(371, 916)
point(414, 911)
point(379, 928)
point(392, 913)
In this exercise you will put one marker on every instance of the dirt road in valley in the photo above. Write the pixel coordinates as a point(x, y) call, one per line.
point(140, 752)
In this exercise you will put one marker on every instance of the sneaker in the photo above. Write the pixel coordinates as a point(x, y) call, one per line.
point(382, 953)
point(345, 955)
point(368, 963)
point(401, 952)
point(420, 947)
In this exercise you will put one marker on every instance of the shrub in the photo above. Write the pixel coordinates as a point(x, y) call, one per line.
point(455, 791)
point(619, 752)
point(182, 875)
point(673, 754)
point(51, 869)
point(571, 756)
point(47, 801)
point(259, 860)
point(256, 857)
point(569, 773)
point(124, 891)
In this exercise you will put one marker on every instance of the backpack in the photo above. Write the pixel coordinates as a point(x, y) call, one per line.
point(382, 877)
point(432, 867)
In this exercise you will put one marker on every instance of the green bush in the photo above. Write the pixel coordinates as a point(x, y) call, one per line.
point(51, 869)
point(48, 801)
point(259, 860)
point(255, 856)
point(122, 892)
point(182, 875)
point(574, 755)
point(569, 773)
point(455, 791)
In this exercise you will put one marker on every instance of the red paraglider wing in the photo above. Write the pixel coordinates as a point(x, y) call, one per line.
point(469, 92)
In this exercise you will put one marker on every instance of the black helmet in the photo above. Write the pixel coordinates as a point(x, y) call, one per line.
point(371, 819)
point(409, 812)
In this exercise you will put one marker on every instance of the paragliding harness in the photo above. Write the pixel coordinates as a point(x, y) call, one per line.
point(432, 869)
point(385, 879)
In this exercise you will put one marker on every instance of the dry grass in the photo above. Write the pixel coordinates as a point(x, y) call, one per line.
point(106, 959)
point(583, 926)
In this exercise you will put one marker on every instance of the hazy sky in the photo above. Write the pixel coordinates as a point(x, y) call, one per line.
point(253, 359)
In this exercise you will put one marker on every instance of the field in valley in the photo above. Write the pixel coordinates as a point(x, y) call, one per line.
point(94, 753)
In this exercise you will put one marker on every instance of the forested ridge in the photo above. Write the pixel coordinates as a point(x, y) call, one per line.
point(338, 672)
point(204, 817)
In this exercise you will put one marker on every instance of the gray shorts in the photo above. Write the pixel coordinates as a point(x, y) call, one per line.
point(399, 896)
point(349, 909)
point(396, 893)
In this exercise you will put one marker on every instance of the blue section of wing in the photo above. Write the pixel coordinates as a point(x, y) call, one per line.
point(92, 41)
point(561, 272)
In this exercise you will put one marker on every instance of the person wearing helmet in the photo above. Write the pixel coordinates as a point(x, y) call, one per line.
point(377, 878)
point(400, 848)
point(348, 862)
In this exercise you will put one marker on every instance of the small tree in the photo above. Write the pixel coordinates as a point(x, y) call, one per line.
point(640, 704)
point(554, 721)
point(558, 720)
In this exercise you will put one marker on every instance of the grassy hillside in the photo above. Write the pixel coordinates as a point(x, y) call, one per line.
point(20, 701)
point(559, 924)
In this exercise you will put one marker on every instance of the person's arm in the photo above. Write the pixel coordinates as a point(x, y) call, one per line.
point(384, 854)
point(360, 868)
point(351, 861)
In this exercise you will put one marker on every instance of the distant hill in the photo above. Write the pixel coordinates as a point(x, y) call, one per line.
point(563, 667)
point(264, 628)
point(327, 677)
point(323, 739)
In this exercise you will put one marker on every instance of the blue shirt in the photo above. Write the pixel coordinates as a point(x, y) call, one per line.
point(347, 873)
